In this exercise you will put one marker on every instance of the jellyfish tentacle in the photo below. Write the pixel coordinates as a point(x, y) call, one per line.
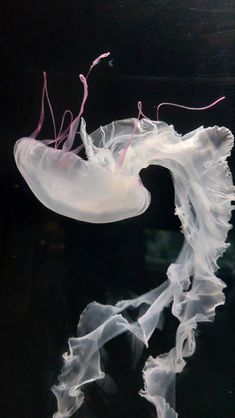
point(50, 107)
point(97, 61)
point(35, 133)
point(38, 128)
point(74, 125)
point(189, 107)
point(135, 127)
point(140, 107)
point(66, 112)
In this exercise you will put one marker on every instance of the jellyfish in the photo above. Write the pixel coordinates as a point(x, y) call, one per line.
point(106, 187)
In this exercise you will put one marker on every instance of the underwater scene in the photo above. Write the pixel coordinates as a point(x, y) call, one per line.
point(117, 257)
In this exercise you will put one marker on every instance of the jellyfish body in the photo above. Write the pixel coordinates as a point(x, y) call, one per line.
point(80, 189)
point(105, 188)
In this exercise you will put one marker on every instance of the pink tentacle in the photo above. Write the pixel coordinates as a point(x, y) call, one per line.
point(56, 141)
point(69, 133)
point(51, 109)
point(188, 107)
point(139, 105)
point(96, 61)
point(74, 125)
point(77, 149)
point(35, 133)
point(125, 149)
point(67, 111)
point(63, 134)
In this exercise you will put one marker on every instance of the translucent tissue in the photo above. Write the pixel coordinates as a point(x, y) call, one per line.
point(105, 188)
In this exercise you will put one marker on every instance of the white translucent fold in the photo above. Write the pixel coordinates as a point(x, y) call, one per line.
point(105, 188)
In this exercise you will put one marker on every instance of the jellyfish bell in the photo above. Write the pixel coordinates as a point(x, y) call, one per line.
point(90, 190)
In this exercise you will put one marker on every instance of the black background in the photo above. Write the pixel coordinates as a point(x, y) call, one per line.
point(51, 267)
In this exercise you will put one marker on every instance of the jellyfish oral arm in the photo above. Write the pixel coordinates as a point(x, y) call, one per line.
point(203, 194)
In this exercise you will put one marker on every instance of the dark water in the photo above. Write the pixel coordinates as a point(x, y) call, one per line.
point(51, 267)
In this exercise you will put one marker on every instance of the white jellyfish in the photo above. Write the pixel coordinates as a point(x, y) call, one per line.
point(105, 188)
